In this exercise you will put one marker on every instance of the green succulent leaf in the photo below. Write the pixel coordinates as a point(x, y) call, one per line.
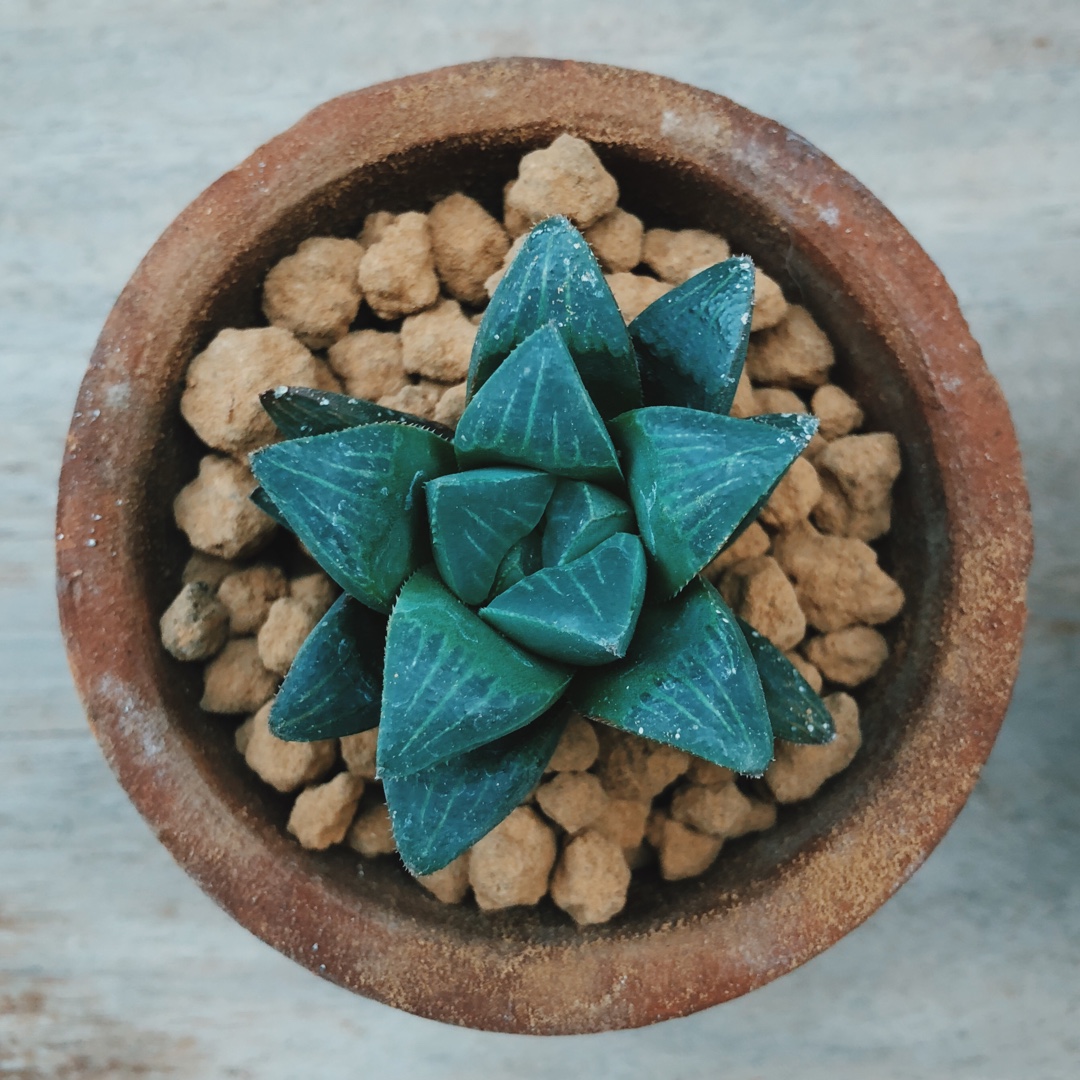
point(334, 687)
point(298, 411)
point(695, 477)
point(580, 516)
point(534, 411)
point(476, 517)
point(441, 811)
point(355, 499)
point(797, 713)
point(521, 560)
point(555, 278)
point(582, 613)
point(450, 682)
point(691, 343)
point(688, 680)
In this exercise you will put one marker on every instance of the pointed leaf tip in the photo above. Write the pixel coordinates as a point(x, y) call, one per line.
point(355, 499)
point(299, 411)
point(695, 477)
point(689, 681)
point(334, 686)
point(796, 711)
point(555, 278)
point(534, 411)
point(450, 682)
point(440, 812)
point(692, 342)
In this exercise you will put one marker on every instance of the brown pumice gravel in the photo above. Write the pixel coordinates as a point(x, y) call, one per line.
point(803, 574)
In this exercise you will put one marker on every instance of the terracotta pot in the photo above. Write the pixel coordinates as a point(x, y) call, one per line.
point(960, 547)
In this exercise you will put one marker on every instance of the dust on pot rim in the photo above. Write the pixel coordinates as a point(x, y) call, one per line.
point(960, 546)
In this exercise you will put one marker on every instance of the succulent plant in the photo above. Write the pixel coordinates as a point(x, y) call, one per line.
point(543, 557)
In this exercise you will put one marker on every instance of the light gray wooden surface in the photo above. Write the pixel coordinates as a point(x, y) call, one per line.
point(964, 117)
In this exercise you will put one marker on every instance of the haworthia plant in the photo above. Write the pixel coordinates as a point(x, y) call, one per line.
point(547, 555)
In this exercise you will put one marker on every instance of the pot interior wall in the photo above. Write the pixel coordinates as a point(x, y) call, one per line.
point(915, 551)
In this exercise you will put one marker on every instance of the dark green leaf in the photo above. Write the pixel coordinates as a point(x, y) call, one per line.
point(334, 686)
point(797, 713)
point(694, 477)
point(689, 680)
point(534, 411)
point(355, 499)
point(521, 560)
point(298, 411)
point(451, 683)
point(579, 517)
point(442, 811)
point(556, 278)
point(692, 342)
point(476, 517)
point(581, 613)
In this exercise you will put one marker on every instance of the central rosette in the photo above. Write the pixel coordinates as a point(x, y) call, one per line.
point(536, 531)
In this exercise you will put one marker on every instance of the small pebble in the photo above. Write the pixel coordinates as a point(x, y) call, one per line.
point(674, 256)
point(196, 624)
point(397, 272)
point(635, 292)
point(286, 628)
point(794, 353)
point(849, 656)
point(512, 864)
point(369, 364)
point(235, 681)
point(468, 245)
point(572, 800)
point(321, 814)
point(285, 766)
point(315, 292)
point(591, 879)
point(616, 240)
point(216, 513)
point(437, 343)
point(577, 748)
point(370, 834)
point(566, 178)
point(247, 595)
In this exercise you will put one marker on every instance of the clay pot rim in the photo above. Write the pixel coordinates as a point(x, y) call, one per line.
point(595, 980)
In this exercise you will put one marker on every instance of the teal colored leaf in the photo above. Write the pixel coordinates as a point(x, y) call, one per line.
point(534, 411)
point(694, 478)
point(555, 278)
point(582, 613)
point(355, 499)
point(691, 343)
point(797, 713)
point(476, 517)
point(450, 682)
point(334, 687)
point(580, 516)
point(298, 411)
point(441, 811)
point(689, 681)
point(520, 561)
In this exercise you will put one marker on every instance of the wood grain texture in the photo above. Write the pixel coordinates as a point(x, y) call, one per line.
point(960, 116)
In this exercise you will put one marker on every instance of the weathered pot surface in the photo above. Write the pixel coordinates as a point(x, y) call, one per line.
point(960, 546)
